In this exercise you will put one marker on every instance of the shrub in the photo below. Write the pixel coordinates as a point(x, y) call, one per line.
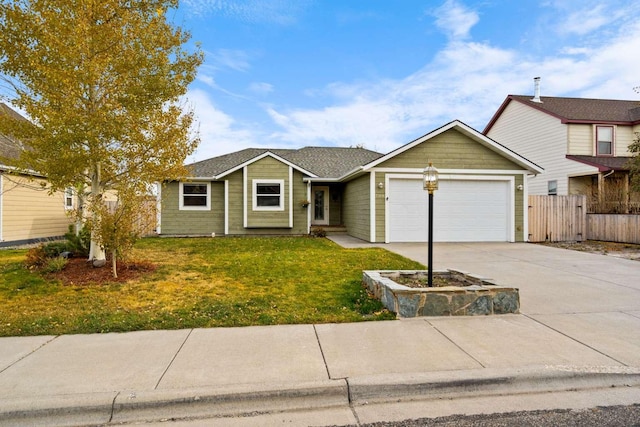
point(54, 249)
point(36, 258)
point(79, 243)
point(319, 232)
point(53, 265)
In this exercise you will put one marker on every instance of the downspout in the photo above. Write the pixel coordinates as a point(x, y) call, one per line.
point(601, 178)
point(309, 209)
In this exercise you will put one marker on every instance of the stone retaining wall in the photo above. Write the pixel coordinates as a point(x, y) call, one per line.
point(480, 297)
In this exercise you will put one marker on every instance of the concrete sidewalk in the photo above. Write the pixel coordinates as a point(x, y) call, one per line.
point(578, 334)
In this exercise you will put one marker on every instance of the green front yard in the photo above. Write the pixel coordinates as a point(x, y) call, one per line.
point(201, 283)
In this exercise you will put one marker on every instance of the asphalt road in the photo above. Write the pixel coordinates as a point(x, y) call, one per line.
point(613, 416)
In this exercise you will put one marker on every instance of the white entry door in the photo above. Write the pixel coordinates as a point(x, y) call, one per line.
point(320, 206)
point(464, 211)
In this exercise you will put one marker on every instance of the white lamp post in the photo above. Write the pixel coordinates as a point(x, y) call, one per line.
point(430, 183)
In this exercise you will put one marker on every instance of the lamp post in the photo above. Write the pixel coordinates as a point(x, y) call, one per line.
point(430, 183)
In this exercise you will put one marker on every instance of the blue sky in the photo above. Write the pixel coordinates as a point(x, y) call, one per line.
point(380, 73)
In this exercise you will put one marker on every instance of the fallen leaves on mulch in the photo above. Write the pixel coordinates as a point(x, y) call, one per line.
point(79, 271)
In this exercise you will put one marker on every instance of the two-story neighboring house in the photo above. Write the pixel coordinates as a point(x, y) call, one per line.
point(582, 144)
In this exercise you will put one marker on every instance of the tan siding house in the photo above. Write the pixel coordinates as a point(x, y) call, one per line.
point(369, 195)
point(28, 213)
point(582, 144)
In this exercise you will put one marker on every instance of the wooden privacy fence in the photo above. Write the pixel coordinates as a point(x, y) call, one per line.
point(557, 218)
point(145, 219)
point(614, 227)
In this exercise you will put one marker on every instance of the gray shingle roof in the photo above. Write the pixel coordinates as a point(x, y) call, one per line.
point(9, 147)
point(324, 162)
point(586, 109)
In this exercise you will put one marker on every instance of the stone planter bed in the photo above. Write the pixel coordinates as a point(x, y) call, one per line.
point(455, 293)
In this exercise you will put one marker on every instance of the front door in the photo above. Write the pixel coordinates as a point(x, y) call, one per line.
point(320, 206)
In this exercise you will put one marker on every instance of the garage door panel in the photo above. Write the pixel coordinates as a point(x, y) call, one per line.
point(464, 211)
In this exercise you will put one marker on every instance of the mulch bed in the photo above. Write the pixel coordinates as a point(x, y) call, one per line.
point(79, 271)
point(438, 282)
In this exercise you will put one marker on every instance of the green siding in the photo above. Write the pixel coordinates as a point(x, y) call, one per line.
point(355, 208)
point(450, 150)
point(268, 168)
point(175, 221)
point(236, 218)
point(520, 207)
point(380, 207)
point(260, 222)
point(335, 205)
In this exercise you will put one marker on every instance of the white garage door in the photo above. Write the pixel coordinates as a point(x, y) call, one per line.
point(463, 210)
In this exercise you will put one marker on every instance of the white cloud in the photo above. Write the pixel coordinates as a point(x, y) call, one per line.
point(465, 81)
point(455, 19)
point(283, 12)
point(586, 20)
point(261, 88)
point(237, 60)
point(219, 133)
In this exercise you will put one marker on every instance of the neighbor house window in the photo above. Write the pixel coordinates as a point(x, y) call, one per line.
point(268, 195)
point(552, 188)
point(195, 196)
point(68, 198)
point(604, 140)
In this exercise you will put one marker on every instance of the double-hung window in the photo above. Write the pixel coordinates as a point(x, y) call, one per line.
point(195, 196)
point(268, 195)
point(604, 140)
point(68, 198)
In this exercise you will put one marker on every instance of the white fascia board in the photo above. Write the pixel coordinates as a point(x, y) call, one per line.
point(455, 171)
point(352, 174)
point(316, 179)
point(226, 207)
point(372, 206)
point(290, 197)
point(12, 169)
point(260, 157)
point(308, 209)
point(245, 219)
point(470, 132)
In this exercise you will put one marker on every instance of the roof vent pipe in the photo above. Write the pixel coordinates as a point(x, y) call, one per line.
point(536, 93)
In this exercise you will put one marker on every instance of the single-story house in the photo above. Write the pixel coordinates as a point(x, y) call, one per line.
point(28, 213)
point(372, 196)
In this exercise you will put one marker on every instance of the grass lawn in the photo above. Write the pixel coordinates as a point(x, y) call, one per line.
point(201, 282)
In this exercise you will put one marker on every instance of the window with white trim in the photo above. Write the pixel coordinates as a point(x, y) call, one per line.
point(195, 196)
point(604, 140)
point(268, 195)
point(68, 198)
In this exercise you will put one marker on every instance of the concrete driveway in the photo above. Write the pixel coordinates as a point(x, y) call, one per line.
point(592, 298)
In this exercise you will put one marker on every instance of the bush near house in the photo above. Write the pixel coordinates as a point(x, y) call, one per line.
point(206, 282)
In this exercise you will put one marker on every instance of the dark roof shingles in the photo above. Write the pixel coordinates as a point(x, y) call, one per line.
point(603, 163)
point(324, 162)
point(586, 109)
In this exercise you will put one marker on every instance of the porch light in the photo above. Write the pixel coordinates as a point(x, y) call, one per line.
point(430, 178)
point(430, 184)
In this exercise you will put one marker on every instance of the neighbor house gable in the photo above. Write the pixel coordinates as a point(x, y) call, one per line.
point(576, 110)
